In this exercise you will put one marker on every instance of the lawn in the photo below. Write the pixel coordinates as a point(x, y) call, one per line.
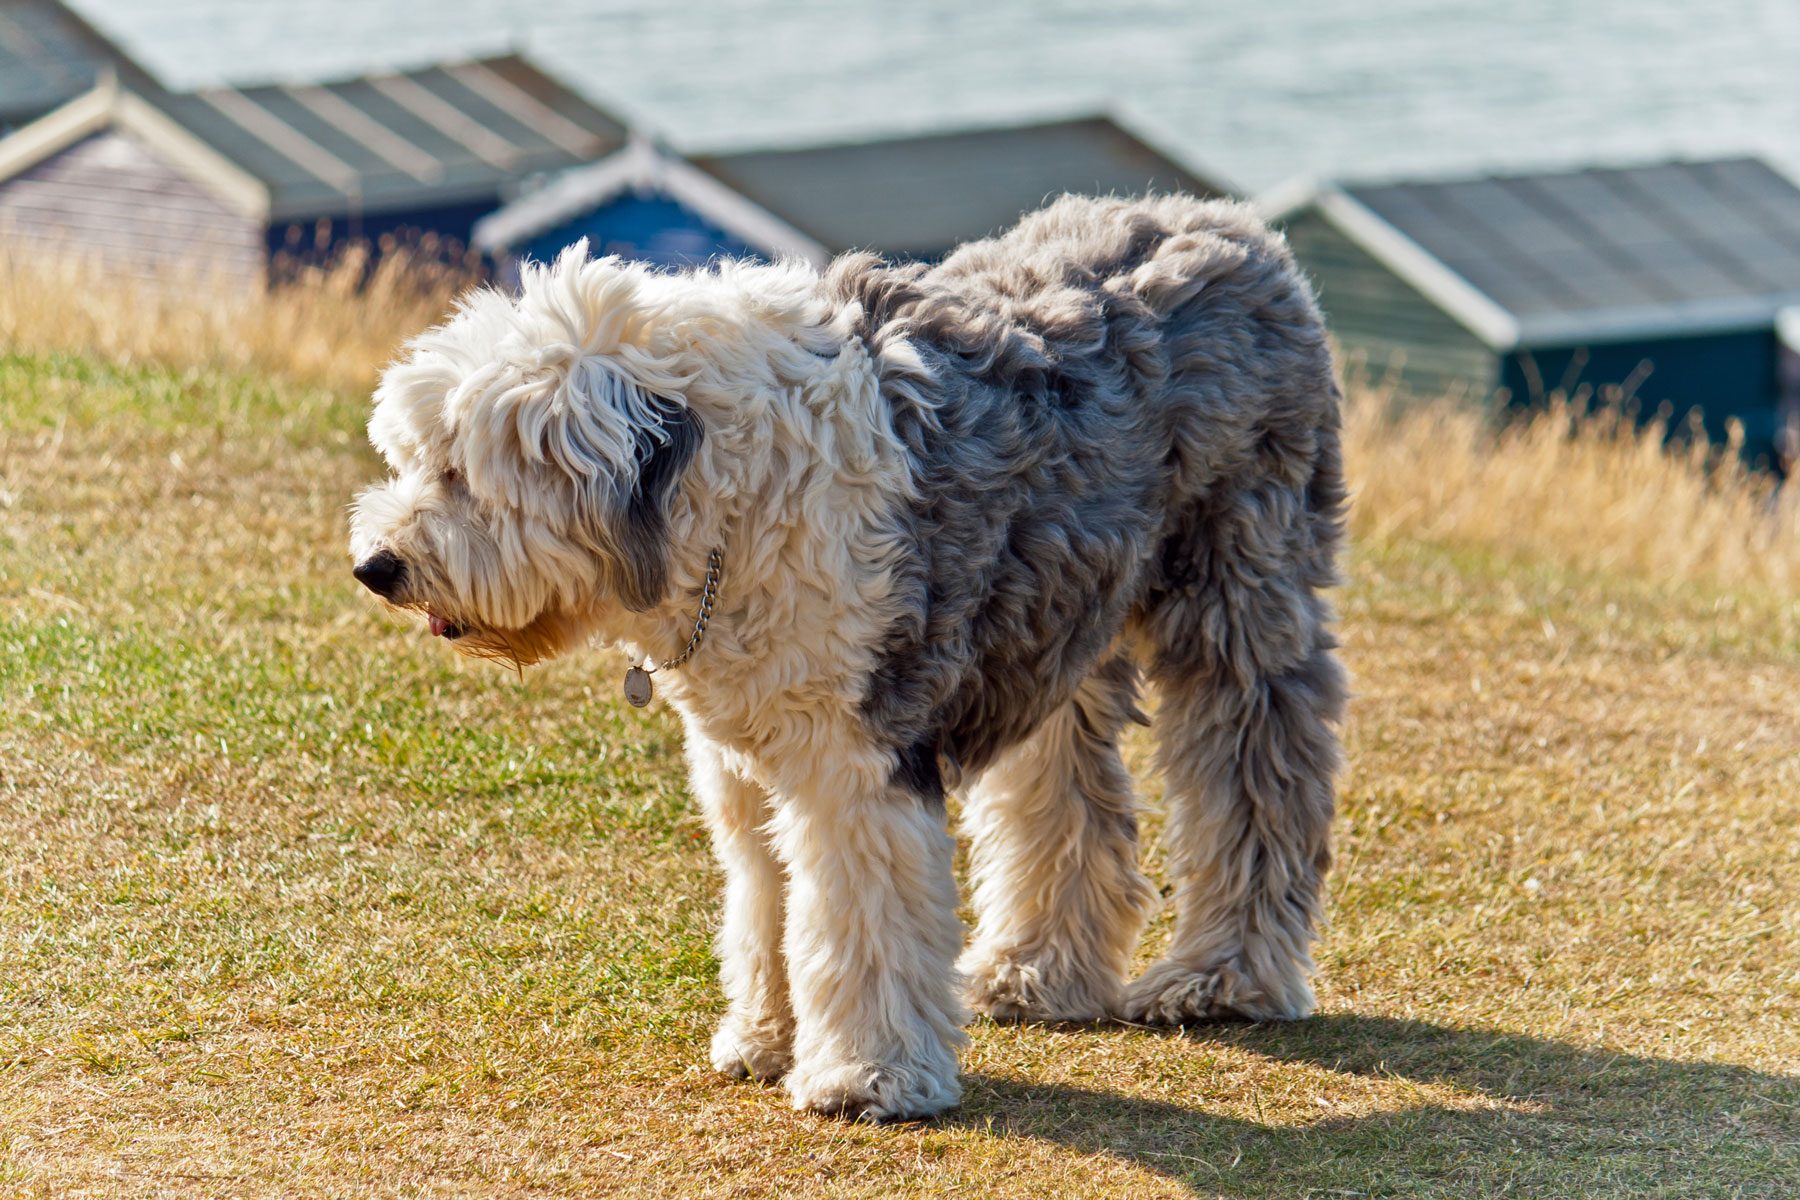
point(295, 903)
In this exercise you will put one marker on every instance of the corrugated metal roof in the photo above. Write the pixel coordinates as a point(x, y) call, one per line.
point(922, 195)
point(1610, 251)
point(49, 56)
point(384, 143)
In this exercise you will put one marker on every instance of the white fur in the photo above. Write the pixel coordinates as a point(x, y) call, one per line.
point(512, 396)
point(755, 1040)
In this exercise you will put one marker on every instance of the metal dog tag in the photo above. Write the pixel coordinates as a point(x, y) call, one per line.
point(637, 687)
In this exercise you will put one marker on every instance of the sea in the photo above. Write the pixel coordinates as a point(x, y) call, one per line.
point(1254, 93)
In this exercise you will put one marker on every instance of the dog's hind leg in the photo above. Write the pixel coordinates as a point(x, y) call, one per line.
point(1057, 890)
point(755, 1039)
point(1250, 692)
point(872, 937)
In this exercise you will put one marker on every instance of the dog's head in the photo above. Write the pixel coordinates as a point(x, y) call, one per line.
point(535, 445)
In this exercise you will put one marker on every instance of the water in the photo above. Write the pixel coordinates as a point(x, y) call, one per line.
point(1253, 93)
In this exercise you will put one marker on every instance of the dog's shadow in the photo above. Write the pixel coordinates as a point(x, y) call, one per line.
point(1512, 1115)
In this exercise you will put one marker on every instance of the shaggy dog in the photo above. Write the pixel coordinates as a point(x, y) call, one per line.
point(947, 516)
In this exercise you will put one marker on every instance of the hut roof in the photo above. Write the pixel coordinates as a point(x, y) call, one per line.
point(48, 56)
point(922, 195)
point(1585, 255)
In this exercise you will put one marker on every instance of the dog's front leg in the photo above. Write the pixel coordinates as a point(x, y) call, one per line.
point(755, 1039)
point(872, 939)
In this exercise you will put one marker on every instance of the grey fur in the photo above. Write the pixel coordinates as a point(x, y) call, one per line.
point(1055, 944)
point(663, 453)
point(1126, 428)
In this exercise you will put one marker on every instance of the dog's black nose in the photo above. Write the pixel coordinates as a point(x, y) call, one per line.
point(381, 573)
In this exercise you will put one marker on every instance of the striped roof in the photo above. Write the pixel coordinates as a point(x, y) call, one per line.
point(49, 56)
point(1606, 253)
point(920, 196)
point(444, 135)
point(390, 142)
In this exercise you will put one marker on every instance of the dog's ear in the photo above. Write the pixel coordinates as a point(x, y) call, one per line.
point(641, 531)
point(615, 450)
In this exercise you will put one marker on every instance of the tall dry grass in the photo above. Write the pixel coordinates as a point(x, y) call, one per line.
point(1593, 490)
point(333, 322)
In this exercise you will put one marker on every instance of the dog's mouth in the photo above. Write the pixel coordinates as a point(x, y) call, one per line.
point(443, 628)
point(543, 637)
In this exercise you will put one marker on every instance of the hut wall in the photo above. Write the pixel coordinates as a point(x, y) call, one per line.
point(1723, 375)
point(111, 198)
point(441, 233)
point(1387, 330)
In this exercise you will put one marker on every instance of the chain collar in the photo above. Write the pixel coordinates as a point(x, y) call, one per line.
point(638, 689)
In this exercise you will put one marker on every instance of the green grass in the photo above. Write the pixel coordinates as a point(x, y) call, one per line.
point(294, 903)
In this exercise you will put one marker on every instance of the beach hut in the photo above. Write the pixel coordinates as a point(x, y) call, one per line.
point(919, 196)
point(142, 178)
point(1665, 281)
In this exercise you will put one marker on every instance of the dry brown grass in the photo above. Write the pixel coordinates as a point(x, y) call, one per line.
point(333, 323)
point(294, 904)
point(1591, 490)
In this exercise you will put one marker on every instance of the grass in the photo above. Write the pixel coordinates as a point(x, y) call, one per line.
point(292, 903)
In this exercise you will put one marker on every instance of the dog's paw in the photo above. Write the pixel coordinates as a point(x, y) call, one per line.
point(1008, 989)
point(1175, 993)
point(744, 1052)
point(859, 1091)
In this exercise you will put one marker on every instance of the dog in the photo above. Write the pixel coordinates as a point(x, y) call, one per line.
point(892, 531)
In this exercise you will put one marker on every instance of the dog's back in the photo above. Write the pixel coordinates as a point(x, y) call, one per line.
point(1099, 375)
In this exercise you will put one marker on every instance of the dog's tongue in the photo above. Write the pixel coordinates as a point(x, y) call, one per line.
point(438, 625)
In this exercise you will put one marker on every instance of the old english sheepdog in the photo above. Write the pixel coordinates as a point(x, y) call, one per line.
point(896, 530)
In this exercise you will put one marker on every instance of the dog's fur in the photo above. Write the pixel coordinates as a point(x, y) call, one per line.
point(962, 508)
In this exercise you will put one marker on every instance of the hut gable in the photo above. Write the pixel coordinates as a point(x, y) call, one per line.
point(113, 197)
point(642, 203)
point(1395, 334)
